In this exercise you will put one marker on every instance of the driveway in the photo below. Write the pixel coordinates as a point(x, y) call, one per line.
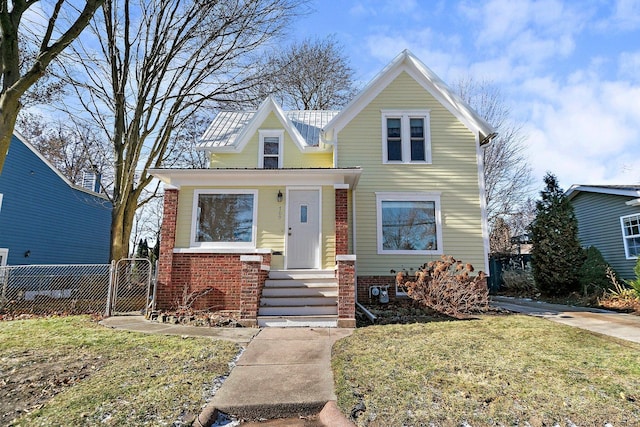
point(619, 325)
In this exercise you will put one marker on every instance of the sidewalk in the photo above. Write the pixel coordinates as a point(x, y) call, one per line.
point(284, 372)
point(619, 325)
point(140, 324)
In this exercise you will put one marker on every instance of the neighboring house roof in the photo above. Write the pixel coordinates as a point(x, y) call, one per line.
point(230, 130)
point(53, 168)
point(408, 63)
point(616, 190)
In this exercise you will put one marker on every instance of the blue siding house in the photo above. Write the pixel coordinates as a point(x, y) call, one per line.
point(45, 218)
point(609, 219)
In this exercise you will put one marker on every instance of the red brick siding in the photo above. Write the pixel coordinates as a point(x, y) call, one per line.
point(346, 293)
point(365, 282)
point(342, 224)
point(165, 293)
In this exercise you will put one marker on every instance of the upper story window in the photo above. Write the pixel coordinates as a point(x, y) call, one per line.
point(631, 235)
point(406, 136)
point(271, 149)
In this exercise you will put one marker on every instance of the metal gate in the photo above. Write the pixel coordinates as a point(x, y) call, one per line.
point(131, 287)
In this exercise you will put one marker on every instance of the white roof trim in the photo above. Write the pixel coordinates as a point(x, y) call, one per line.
point(214, 178)
point(66, 180)
point(407, 62)
point(269, 105)
point(576, 188)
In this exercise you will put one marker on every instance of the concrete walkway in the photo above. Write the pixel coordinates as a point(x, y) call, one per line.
point(284, 372)
point(241, 336)
point(619, 325)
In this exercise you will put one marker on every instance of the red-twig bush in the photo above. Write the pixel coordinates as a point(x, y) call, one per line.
point(448, 287)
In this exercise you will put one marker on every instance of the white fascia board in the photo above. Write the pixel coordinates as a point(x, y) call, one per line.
point(407, 62)
point(268, 105)
point(577, 188)
point(256, 177)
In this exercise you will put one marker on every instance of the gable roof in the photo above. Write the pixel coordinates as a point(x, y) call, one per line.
point(50, 165)
point(407, 62)
point(231, 130)
point(616, 190)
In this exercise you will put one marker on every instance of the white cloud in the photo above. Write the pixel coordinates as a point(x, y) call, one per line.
point(629, 65)
point(586, 132)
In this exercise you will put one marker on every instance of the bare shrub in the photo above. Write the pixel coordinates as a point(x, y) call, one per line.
point(519, 281)
point(447, 287)
point(185, 303)
point(619, 297)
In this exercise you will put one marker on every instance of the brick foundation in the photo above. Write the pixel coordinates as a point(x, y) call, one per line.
point(365, 282)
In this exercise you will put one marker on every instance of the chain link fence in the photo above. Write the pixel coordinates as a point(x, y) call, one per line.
point(54, 289)
point(117, 288)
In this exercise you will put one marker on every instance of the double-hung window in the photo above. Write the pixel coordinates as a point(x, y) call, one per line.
point(406, 136)
point(631, 235)
point(271, 149)
point(409, 223)
point(224, 218)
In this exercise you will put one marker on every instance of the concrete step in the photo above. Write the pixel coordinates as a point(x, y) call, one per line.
point(324, 291)
point(298, 310)
point(288, 301)
point(326, 321)
point(302, 274)
point(300, 283)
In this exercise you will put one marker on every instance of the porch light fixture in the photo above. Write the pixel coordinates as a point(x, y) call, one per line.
point(279, 198)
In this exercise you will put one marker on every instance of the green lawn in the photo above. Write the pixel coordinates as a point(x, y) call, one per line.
point(494, 371)
point(72, 371)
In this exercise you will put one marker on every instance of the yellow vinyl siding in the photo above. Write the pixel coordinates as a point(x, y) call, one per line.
point(292, 156)
point(271, 221)
point(453, 173)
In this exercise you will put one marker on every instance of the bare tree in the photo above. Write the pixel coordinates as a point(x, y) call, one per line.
point(64, 22)
point(157, 62)
point(71, 147)
point(507, 174)
point(313, 74)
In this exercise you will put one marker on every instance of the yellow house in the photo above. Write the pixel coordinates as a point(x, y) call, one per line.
point(301, 214)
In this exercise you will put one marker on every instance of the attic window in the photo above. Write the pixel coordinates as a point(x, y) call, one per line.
point(406, 136)
point(271, 149)
point(631, 235)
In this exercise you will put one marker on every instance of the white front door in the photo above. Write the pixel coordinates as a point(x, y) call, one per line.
point(303, 229)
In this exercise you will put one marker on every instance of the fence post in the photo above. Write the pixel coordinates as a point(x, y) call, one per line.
point(107, 312)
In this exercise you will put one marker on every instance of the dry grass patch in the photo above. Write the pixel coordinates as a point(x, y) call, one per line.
point(502, 370)
point(71, 371)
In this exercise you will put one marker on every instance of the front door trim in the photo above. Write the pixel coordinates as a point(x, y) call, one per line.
point(318, 257)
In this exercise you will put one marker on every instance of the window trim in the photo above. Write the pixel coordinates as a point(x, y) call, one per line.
point(4, 254)
point(405, 117)
point(223, 245)
point(270, 133)
point(625, 238)
point(409, 197)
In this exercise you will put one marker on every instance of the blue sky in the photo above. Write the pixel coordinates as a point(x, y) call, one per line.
point(568, 70)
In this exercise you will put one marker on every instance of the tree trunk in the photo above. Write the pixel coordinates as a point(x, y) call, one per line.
point(122, 218)
point(8, 114)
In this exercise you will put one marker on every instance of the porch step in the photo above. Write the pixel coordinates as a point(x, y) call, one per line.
point(299, 298)
point(302, 274)
point(299, 291)
point(298, 310)
point(328, 321)
point(292, 301)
